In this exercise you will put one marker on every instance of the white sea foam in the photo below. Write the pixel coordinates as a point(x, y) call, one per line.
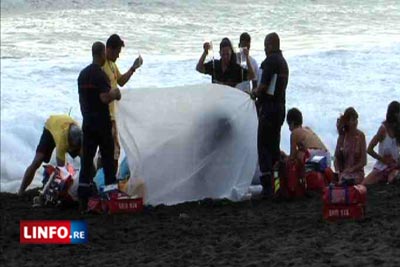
point(339, 54)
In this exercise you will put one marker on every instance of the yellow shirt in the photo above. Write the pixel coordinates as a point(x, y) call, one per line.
point(112, 71)
point(58, 126)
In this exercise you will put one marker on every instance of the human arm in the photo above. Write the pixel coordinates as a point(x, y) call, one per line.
point(293, 146)
point(266, 78)
point(379, 136)
point(113, 94)
point(250, 71)
point(338, 162)
point(363, 159)
point(107, 94)
point(60, 158)
point(200, 65)
point(124, 78)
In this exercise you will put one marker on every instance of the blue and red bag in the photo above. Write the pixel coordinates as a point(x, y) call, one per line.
point(344, 202)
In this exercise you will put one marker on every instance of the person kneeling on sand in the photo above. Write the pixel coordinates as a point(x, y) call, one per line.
point(350, 152)
point(304, 143)
point(60, 132)
point(387, 166)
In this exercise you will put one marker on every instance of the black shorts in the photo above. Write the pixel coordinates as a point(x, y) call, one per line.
point(46, 145)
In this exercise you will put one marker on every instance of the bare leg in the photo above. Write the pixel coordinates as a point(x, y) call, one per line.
point(30, 172)
point(392, 175)
point(372, 178)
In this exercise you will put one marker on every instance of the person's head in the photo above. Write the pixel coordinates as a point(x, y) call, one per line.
point(348, 121)
point(393, 118)
point(245, 40)
point(113, 47)
point(99, 53)
point(393, 113)
point(74, 140)
point(294, 118)
point(226, 52)
point(271, 43)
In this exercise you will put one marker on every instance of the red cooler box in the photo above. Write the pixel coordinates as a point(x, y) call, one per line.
point(115, 202)
point(344, 202)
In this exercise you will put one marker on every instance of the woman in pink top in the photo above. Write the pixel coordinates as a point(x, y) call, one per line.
point(386, 167)
point(350, 153)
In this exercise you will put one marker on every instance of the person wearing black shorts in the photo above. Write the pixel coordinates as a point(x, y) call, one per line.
point(60, 132)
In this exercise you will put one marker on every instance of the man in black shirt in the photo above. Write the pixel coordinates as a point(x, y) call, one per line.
point(226, 70)
point(271, 94)
point(95, 94)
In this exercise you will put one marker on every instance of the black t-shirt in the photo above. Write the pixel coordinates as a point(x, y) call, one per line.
point(275, 64)
point(92, 81)
point(233, 74)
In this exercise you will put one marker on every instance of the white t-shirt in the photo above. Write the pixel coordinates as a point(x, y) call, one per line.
point(246, 85)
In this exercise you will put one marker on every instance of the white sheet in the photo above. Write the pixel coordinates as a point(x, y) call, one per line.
point(189, 143)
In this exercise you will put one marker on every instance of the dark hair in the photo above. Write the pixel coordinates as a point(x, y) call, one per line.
point(97, 49)
point(343, 121)
point(392, 112)
point(273, 40)
point(392, 119)
point(294, 115)
point(75, 136)
point(114, 42)
point(225, 42)
point(245, 37)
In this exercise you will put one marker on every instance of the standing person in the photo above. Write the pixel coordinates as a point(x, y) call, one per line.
point(387, 163)
point(350, 152)
point(271, 94)
point(113, 49)
point(226, 70)
point(60, 132)
point(95, 94)
point(245, 42)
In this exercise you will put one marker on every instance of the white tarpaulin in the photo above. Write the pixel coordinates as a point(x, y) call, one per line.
point(189, 143)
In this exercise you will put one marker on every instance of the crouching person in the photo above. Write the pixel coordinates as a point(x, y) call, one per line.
point(60, 132)
point(304, 146)
point(304, 143)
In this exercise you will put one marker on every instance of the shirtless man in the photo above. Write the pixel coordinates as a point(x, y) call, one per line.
point(303, 141)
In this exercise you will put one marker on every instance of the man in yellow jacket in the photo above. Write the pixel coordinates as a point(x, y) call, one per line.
point(60, 132)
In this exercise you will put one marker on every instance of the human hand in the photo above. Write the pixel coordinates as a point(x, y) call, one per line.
point(253, 96)
point(206, 47)
point(245, 51)
point(115, 93)
point(138, 62)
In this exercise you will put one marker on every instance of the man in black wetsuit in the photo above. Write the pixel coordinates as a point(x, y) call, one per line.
point(271, 94)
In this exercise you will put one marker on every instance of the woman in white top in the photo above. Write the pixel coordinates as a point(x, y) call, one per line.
point(387, 167)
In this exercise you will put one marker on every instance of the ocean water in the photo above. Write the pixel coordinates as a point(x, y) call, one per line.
point(340, 54)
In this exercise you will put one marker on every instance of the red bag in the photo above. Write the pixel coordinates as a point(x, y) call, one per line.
point(291, 181)
point(120, 202)
point(315, 181)
point(333, 212)
point(115, 202)
point(344, 202)
point(354, 194)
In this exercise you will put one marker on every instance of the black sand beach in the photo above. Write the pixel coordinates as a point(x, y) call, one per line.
point(219, 233)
